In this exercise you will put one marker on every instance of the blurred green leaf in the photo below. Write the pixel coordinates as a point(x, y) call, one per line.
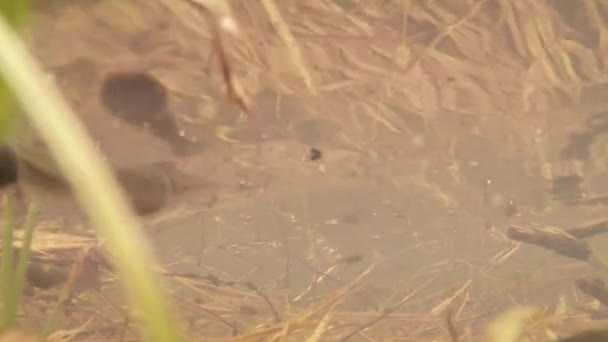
point(94, 186)
point(8, 111)
point(16, 12)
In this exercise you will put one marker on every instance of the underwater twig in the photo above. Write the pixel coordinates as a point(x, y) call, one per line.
point(451, 328)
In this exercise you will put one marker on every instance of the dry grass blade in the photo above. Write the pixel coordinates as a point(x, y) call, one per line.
point(66, 335)
point(309, 319)
point(220, 20)
point(321, 327)
point(387, 312)
point(290, 42)
point(448, 301)
point(447, 31)
point(217, 27)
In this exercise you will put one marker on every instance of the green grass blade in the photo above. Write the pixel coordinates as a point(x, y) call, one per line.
point(93, 183)
point(22, 263)
point(7, 112)
point(16, 13)
point(7, 260)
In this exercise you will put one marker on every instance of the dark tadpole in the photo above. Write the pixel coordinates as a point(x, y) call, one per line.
point(8, 167)
point(148, 186)
point(315, 154)
point(45, 275)
point(151, 186)
point(141, 100)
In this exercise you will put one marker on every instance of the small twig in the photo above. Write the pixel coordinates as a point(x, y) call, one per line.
point(199, 306)
point(553, 239)
point(593, 287)
point(318, 272)
point(285, 34)
point(319, 275)
point(277, 318)
point(437, 309)
point(235, 93)
point(215, 280)
point(387, 312)
point(211, 278)
point(589, 230)
point(450, 324)
point(445, 31)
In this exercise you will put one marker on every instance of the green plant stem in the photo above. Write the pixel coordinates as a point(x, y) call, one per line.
point(7, 261)
point(93, 183)
point(22, 263)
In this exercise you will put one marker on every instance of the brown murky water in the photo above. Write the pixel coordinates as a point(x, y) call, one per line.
point(400, 189)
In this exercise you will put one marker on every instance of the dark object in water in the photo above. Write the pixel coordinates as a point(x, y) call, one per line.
point(83, 274)
point(553, 239)
point(141, 100)
point(449, 320)
point(149, 186)
point(589, 230)
point(8, 167)
point(593, 287)
point(315, 154)
point(566, 188)
point(579, 144)
point(351, 259)
point(45, 275)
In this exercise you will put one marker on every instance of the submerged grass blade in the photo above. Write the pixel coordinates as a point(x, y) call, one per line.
point(93, 183)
